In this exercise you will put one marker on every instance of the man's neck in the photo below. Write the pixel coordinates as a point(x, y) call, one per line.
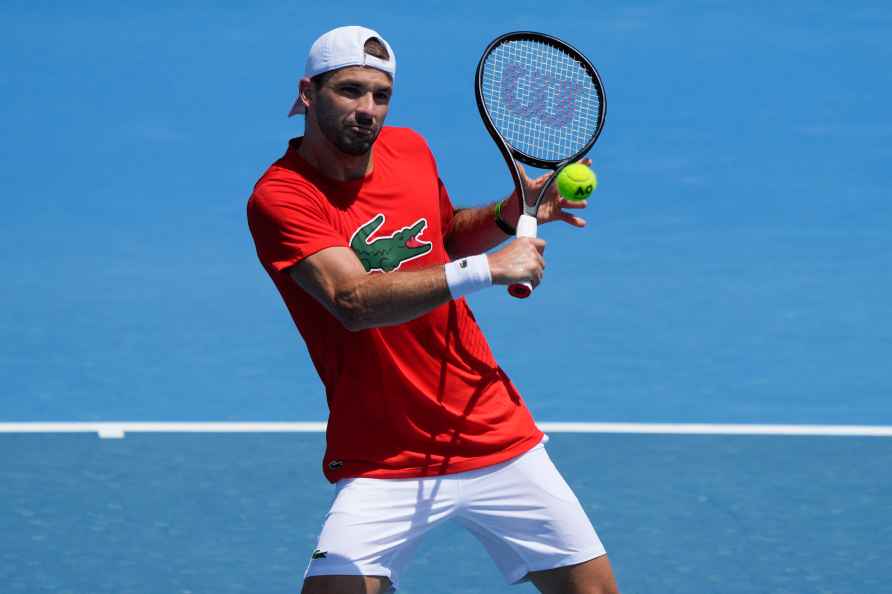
point(333, 163)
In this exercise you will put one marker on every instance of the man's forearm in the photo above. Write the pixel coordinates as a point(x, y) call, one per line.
point(394, 298)
point(474, 230)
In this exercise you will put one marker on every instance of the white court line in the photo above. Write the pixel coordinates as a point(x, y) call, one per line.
point(117, 430)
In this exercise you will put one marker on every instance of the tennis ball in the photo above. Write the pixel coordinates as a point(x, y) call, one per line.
point(576, 182)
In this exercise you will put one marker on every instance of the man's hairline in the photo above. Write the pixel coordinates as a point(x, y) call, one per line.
point(318, 80)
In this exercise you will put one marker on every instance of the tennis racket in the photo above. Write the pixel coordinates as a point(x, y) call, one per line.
point(543, 103)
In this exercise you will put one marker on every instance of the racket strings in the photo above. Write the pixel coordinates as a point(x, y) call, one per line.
point(542, 100)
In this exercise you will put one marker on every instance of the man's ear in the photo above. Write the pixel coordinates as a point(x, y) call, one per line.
point(305, 86)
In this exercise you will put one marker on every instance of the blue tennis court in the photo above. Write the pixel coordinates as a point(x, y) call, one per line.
point(734, 270)
point(240, 513)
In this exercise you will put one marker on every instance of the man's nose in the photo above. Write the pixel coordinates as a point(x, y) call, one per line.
point(366, 104)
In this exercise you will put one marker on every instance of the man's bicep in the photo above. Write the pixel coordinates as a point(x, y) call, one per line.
point(327, 274)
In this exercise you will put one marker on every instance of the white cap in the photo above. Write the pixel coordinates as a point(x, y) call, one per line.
point(342, 47)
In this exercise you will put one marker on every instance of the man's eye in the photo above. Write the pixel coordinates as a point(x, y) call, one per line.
point(351, 91)
point(382, 97)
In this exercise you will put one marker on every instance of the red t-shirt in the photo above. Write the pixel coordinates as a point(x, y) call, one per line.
point(421, 398)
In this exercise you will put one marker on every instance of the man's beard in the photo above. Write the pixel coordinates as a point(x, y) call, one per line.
point(348, 139)
point(351, 142)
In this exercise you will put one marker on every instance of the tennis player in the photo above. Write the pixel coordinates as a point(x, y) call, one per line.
point(358, 233)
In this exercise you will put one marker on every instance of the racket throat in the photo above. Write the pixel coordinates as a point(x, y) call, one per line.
point(533, 209)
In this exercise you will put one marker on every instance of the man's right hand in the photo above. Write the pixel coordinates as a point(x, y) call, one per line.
point(520, 261)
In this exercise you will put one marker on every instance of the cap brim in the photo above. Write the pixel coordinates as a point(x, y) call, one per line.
point(297, 108)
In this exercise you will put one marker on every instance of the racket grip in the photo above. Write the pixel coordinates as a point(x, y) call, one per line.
point(526, 227)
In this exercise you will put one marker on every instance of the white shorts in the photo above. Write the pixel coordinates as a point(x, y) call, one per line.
point(521, 510)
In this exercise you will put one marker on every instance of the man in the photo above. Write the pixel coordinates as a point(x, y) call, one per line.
point(357, 231)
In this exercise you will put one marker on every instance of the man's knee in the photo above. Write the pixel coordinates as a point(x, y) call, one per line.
point(594, 576)
point(346, 584)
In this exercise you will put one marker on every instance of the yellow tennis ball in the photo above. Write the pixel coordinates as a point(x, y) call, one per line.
point(576, 182)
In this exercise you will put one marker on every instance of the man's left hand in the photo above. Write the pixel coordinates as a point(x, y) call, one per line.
point(553, 205)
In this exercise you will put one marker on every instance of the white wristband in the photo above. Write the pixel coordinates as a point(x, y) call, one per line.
point(468, 275)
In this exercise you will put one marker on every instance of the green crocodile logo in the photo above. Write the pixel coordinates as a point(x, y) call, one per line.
point(388, 253)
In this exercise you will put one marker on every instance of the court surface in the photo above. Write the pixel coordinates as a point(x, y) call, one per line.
point(229, 513)
point(735, 269)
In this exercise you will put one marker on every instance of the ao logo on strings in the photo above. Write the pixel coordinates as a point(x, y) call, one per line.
point(529, 93)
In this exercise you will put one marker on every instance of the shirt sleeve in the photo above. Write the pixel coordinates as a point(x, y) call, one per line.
point(288, 223)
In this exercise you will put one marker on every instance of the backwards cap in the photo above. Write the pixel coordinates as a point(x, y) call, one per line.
point(342, 47)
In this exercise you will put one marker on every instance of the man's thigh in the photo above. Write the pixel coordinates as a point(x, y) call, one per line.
point(591, 577)
point(528, 518)
point(373, 529)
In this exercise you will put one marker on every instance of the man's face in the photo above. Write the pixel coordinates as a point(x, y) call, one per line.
point(350, 107)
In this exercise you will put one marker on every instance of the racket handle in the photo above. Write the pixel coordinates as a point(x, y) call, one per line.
point(526, 227)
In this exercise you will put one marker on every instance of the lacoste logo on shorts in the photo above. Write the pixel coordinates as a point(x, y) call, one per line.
point(319, 554)
point(463, 264)
point(335, 464)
